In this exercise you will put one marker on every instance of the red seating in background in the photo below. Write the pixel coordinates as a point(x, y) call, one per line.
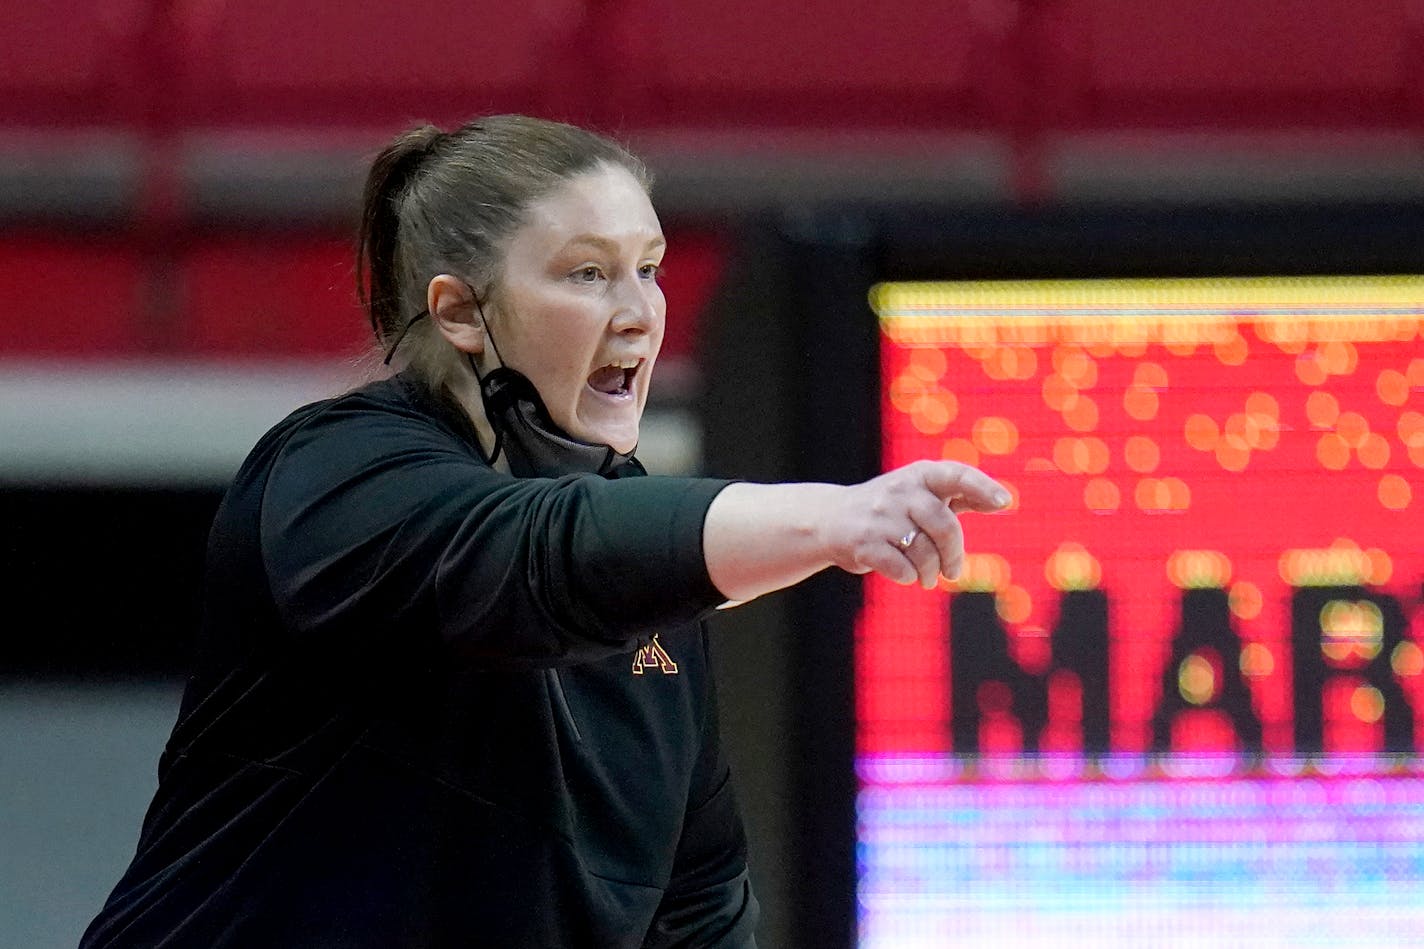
point(67, 63)
point(835, 64)
point(68, 297)
point(212, 148)
point(376, 64)
point(631, 63)
point(624, 64)
point(1224, 64)
point(934, 64)
point(270, 296)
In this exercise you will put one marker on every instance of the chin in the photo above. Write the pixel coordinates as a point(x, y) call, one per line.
point(623, 445)
point(622, 440)
point(619, 438)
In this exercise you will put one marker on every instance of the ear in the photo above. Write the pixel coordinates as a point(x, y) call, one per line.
point(453, 311)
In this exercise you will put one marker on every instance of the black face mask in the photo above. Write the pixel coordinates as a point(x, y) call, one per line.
point(523, 430)
point(530, 440)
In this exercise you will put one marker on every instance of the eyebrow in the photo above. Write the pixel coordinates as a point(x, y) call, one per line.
point(608, 245)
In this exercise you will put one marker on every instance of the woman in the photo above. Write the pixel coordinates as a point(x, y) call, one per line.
point(452, 688)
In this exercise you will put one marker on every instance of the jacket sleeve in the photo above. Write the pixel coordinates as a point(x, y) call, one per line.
point(709, 900)
point(380, 525)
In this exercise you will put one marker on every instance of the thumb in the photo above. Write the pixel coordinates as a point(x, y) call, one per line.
point(965, 488)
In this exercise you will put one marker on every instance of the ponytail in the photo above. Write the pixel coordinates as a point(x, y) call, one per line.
point(378, 246)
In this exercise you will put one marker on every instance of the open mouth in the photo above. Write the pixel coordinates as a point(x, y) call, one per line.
point(615, 379)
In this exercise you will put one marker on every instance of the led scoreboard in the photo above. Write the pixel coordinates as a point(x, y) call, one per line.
point(1177, 695)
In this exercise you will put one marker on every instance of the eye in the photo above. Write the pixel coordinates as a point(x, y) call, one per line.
point(650, 271)
point(588, 274)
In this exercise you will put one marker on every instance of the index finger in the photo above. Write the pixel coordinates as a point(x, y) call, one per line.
point(965, 486)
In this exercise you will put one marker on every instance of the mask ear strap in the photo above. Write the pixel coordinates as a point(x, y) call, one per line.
point(391, 351)
point(474, 367)
point(494, 424)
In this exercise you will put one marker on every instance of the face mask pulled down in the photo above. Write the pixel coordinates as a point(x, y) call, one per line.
point(524, 432)
point(531, 442)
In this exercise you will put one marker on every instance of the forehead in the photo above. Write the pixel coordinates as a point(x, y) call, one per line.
point(607, 203)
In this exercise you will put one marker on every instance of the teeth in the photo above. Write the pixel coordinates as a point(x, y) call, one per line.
point(625, 363)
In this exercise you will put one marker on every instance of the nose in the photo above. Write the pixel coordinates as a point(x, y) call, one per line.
point(640, 307)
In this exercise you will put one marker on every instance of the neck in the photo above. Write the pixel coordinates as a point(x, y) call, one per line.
point(466, 390)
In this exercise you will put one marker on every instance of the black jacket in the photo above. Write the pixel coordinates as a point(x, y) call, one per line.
point(436, 705)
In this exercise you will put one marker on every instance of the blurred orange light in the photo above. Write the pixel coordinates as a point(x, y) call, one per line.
point(1064, 352)
point(1263, 404)
point(1351, 632)
point(1353, 427)
point(1245, 600)
point(1142, 454)
point(1081, 415)
point(1310, 368)
point(932, 413)
point(1339, 358)
point(1394, 492)
point(1078, 368)
point(1332, 451)
point(1057, 393)
point(1199, 569)
point(1149, 374)
point(1232, 457)
point(983, 573)
point(1232, 352)
point(1014, 605)
point(1196, 679)
point(1241, 431)
point(1415, 373)
point(995, 435)
point(1201, 432)
point(906, 390)
point(1381, 567)
point(1392, 387)
point(1373, 451)
point(1411, 429)
point(1153, 494)
point(1343, 563)
point(1071, 567)
point(1098, 455)
point(1101, 496)
point(961, 450)
point(1322, 409)
point(1256, 660)
point(1067, 456)
point(1367, 703)
point(928, 364)
point(1407, 659)
point(1018, 362)
point(1140, 402)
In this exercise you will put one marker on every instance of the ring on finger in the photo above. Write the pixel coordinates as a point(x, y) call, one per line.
point(905, 542)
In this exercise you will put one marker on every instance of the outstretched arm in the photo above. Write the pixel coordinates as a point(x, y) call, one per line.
point(762, 537)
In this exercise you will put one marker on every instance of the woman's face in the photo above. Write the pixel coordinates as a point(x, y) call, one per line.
point(578, 308)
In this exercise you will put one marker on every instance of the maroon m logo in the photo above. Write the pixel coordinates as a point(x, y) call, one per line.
point(653, 654)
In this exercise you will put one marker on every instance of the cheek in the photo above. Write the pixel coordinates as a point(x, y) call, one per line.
point(562, 352)
point(557, 376)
